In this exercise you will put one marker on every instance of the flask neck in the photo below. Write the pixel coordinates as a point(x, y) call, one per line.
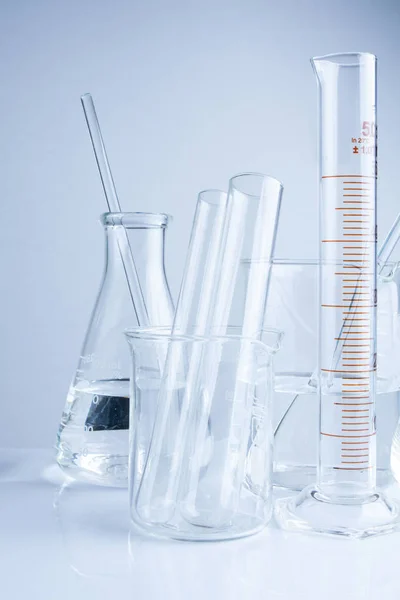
point(143, 237)
point(146, 245)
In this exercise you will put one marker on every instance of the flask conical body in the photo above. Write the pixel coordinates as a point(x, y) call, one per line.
point(93, 435)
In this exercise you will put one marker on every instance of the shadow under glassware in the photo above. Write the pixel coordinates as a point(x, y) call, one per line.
point(92, 442)
point(292, 306)
point(225, 479)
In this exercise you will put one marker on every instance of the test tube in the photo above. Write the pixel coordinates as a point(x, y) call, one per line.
point(225, 231)
point(158, 488)
point(253, 209)
point(345, 500)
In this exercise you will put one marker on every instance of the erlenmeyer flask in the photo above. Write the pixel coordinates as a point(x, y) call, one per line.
point(93, 435)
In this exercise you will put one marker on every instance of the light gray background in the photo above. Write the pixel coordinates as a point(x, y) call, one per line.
point(188, 93)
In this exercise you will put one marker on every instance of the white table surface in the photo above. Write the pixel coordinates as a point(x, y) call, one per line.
point(63, 540)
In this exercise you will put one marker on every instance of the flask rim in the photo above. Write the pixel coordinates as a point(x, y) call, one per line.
point(135, 220)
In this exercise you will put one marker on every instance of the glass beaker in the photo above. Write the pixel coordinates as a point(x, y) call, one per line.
point(391, 273)
point(205, 507)
point(292, 306)
point(93, 435)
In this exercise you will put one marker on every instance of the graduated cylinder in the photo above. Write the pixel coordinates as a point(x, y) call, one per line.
point(348, 285)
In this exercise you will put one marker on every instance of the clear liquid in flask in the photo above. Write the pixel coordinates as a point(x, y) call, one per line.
point(94, 429)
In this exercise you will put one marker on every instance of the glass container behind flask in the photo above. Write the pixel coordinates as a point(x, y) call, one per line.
point(93, 434)
point(292, 306)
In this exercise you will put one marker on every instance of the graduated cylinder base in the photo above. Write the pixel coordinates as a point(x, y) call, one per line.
point(355, 517)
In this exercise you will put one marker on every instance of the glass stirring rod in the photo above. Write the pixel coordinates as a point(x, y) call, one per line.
point(110, 193)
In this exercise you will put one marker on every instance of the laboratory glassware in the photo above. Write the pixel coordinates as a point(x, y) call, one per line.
point(392, 271)
point(203, 510)
point(345, 500)
point(93, 435)
point(292, 306)
point(195, 299)
point(226, 229)
point(389, 244)
point(110, 192)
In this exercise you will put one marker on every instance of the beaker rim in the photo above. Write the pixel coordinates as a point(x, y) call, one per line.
point(295, 261)
point(303, 261)
point(345, 59)
point(284, 261)
point(135, 220)
point(270, 339)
